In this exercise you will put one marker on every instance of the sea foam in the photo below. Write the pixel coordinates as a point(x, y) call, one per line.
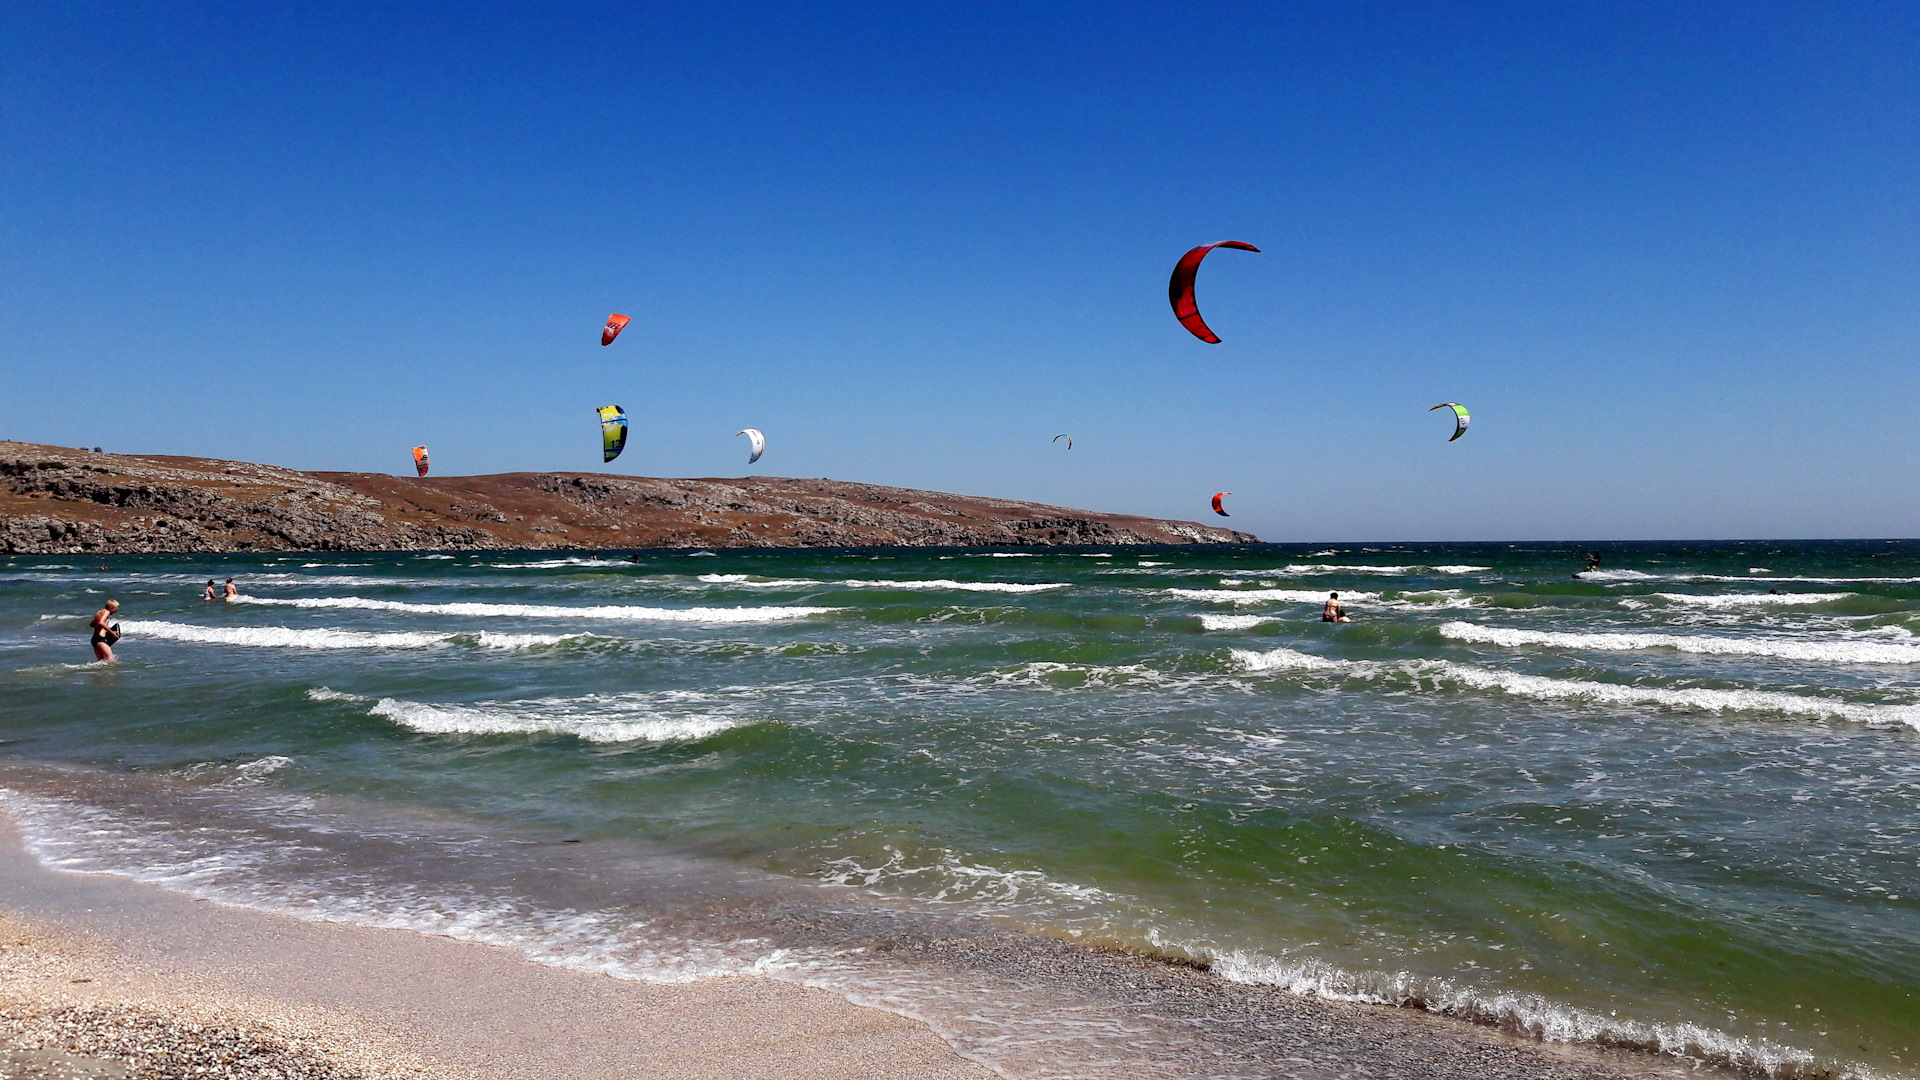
point(1825, 652)
point(286, 637)
point(1447, 674)
point(610, 612)
point(746, 581)
point(1530, 1015)
point(595, 718)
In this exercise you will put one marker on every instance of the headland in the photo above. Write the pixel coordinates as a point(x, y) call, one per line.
point(59, 500)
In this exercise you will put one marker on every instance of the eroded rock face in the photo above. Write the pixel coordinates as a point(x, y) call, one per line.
point(58, 500)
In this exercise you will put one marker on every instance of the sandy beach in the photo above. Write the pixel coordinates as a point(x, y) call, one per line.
point(103, 966)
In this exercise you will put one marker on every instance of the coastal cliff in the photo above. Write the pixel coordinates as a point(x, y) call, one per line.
point(56, 500)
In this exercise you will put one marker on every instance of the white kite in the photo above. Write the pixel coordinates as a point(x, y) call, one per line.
point(757, 440)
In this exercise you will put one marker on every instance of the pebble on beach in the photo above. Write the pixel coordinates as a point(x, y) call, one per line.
point(111, 1042)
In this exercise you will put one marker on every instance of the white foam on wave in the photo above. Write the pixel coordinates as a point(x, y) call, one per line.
point(1530, 1015)
point(1397, 571)
point(1733, 600)
point(1266, 596)
point(747, 581)
point(948, 880)
point(286, 637)
point(231, 867)
point(1345, 568)
point(324, 693)
point(1543, 688)
point(602, 718)
point(1822, 652)
point(1212, 621)
point(249, 773)
point(1285, 660)
point(944, 584)
point(1616, 575)
point(611, 612)
point(1056, 675)
point(1622, 576)
point(551, 564)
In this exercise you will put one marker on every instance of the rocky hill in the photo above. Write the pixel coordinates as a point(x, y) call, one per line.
point(59, 500)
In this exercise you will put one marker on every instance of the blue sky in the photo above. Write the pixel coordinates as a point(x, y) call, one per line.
point(1667, 253)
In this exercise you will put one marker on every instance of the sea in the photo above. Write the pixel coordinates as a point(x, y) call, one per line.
point(1667, 807)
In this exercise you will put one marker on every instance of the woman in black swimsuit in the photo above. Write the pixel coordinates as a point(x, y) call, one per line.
point(104, 635)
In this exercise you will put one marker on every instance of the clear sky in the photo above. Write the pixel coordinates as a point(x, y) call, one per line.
point(1668, 253)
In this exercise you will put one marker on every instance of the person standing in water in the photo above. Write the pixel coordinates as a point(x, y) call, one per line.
point(212, 591)
point(104, 635)
point(1334, 611)
point(231, 591)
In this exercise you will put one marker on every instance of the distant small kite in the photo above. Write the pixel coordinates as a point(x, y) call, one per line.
point(613, 431)
point(420, 459)
point(1180, 289)
point(1069, 439)
point(1461, 419)
point(615, 324)
point(756, 441)
point(1217, 508)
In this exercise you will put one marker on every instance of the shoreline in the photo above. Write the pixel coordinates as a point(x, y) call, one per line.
point(391, 1004)
point(401, 1003)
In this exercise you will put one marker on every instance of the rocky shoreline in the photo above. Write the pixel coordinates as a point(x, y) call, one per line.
point(58, 500)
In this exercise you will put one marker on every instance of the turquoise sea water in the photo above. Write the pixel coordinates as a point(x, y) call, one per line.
point(1673, 804)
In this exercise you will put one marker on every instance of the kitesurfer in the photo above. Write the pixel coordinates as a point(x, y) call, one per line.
point(1593, 560)
point(104, 635)
point(1334, 611)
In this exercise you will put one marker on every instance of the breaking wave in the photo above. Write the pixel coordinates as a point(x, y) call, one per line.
point(601, 718)
point(611, 612)
point(1529, 1015)
point(1447, 674)
point(747, 581)
point(1734, 600)
point(286, 637)
point(1825, 652)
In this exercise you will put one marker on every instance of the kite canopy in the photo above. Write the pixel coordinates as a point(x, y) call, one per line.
point(1461, 419)
point(420, 459)
point(1069, 439)
point(615, 324)
point(1217, 508)
point(1180, 289)
point(613, 431)
point(755, 440)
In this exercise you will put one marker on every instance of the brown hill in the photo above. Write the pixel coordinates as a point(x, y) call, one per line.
point(58, 500)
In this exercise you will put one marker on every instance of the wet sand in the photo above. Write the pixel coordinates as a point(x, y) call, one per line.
point(96, 964)
point(394, 1003)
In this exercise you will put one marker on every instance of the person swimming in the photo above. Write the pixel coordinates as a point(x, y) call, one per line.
point(104, 636)
point(1335, 611)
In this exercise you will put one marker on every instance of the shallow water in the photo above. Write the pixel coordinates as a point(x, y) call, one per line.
point(1671, 804)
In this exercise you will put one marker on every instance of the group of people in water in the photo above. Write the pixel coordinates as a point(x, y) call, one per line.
point(106, 633)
